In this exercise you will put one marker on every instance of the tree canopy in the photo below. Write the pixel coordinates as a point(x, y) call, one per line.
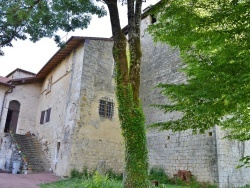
point(214, 41)
point(35, 19)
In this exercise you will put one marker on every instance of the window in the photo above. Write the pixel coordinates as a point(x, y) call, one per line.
point(114, 70)
point(153, 19)
point(57, 149)
point(106, 108)
point(45, 116)
point(49, 84)
point(42, 117)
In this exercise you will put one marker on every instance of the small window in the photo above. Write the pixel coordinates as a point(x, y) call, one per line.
point(58, 149)
point(49, 84)
point(114, 70)
point(45, 116)
point(42, 117)
point(48, 115)
point(106, 108)
point(153, 19)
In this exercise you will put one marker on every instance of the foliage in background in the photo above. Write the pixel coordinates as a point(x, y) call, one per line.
point(214, 41)
point(22, 19)
point(245, 162)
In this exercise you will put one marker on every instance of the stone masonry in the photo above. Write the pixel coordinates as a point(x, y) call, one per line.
point(97, 141)
point(208, 156)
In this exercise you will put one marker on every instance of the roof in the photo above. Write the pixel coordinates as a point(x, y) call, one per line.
point(21, 70)
point(62, 53)
point(4, 81)
point(26, 80)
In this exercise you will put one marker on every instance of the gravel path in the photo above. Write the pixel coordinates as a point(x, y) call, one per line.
point(25, 180)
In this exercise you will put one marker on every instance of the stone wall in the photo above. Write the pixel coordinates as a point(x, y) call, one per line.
point(62, 98)
point(229, 153)
point(210, 157)
point(97, 141)
point(172, 151)
point(7, 147)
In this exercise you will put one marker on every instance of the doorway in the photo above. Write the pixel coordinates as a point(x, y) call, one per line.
point(12, 117)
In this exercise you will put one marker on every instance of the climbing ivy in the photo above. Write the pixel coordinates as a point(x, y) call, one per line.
point(133, 130)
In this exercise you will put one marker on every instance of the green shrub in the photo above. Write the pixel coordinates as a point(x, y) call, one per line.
point(74, 173)
point(101, 181)
point(157, 173)
point(246, 186)
point(112, 175)
point(195, 184)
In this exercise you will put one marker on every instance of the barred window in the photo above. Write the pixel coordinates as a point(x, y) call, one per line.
point(106, 108)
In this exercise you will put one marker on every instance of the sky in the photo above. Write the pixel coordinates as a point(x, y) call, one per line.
point(33, 56)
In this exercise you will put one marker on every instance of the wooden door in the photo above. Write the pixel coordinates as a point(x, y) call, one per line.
point(12, 117)
point(13, 121)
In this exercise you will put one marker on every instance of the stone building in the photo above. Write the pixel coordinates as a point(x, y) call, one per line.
point(70, 106)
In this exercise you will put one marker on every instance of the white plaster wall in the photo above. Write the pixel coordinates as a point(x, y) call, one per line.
point(19, 74)
point(3, 89)
point(28, 96)
point(63, 101)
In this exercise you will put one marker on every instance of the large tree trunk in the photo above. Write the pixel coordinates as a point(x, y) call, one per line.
point(128, 86)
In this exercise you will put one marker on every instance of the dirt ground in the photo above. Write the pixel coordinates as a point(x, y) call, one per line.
point(25, 180)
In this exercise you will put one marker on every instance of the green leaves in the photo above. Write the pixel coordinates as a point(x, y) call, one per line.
point(20, 19)
point(245, 161)
point(133, 130)
point(214, 40)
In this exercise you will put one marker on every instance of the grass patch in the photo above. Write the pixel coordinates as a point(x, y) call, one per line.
point(67, 183)
point(81, 183)
point(111, 180)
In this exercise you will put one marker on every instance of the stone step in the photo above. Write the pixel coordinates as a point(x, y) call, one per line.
point(32, 149)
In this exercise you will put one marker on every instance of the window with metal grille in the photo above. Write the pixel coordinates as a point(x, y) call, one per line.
point(106, 108)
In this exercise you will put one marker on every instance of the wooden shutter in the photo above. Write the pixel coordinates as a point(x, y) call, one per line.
point(42, 117)
point(48, 115)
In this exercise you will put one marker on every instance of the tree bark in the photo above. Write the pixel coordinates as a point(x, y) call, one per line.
point(128, 86)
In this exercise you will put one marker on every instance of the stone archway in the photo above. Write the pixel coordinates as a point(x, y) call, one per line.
point(12, 117)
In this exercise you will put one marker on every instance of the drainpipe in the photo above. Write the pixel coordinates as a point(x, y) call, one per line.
point(6, 92)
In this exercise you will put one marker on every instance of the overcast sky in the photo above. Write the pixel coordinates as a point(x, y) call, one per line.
point(32, 56)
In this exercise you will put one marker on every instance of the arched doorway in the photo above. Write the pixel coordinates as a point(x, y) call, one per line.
point(12, 117)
